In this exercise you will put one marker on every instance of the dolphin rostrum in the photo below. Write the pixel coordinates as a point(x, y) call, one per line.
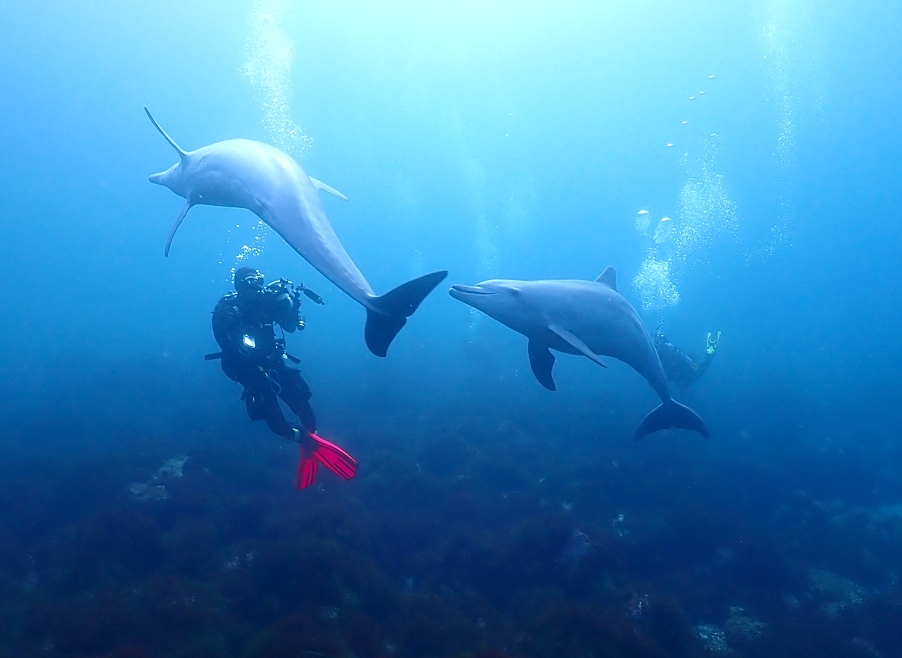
point(242, 173)
point(588, 318)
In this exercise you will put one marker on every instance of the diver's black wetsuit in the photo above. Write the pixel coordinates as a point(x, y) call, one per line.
point(679, 367)
point(251, 354)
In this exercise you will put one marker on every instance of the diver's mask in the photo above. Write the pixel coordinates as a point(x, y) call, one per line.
point(252, 282)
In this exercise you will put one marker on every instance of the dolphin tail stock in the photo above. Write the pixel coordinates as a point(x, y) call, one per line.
point(388, 314)
point(671, 413)
point(326, 453)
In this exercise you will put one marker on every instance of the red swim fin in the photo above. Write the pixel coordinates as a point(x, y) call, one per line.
point(325, 453)
point(307, 469)
point(334, 458)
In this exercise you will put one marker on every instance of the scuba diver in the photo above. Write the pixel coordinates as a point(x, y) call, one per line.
point(252, 356)
point(682, 368)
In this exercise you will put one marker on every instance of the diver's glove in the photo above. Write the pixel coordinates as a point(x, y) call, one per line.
point(711, 344)
point(284, 296)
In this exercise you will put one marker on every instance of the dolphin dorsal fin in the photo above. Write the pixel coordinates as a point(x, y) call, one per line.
point(169, 139)
point(608, 277)
point(318, 184)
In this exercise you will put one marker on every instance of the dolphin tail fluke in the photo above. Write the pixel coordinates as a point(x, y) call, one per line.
point(394, 307)
point(672, 414)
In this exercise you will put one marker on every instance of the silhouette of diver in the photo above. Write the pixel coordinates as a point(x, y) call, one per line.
point(682, 368)
point(252, 356)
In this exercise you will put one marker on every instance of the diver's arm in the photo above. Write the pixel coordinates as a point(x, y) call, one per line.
point(710, 350)
point(284, 301)
point(702, 365)
point(226, 322)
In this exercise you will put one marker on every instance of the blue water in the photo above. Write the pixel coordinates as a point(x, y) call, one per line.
point(489, 517)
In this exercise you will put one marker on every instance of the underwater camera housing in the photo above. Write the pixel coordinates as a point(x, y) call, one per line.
point(284, 290)
point(285, 287)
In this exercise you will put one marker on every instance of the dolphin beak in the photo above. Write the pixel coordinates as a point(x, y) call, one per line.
point(156, 178)
point(461, 292)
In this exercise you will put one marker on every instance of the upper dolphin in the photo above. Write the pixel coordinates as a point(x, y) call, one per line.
point(242, 173)
point(581, 317)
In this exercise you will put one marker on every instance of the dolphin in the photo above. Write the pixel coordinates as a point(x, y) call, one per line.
point(588, 318)
point(242, 173)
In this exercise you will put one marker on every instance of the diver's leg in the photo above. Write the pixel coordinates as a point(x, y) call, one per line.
point(296, 394)
point(314, 449)
point(235, 368)
point(262, 404)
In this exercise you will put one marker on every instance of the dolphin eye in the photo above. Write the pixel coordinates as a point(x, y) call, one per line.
point(515, 292)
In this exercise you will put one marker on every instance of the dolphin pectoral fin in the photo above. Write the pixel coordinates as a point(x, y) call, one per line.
point(542, 361)
point(671, 413)
point(175, 227)
point(608, 277)
point(169, 139)
point(318, 184)
point(391, 310)
point(577, 344)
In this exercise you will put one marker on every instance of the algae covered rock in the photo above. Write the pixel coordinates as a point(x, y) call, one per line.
point(742, 631)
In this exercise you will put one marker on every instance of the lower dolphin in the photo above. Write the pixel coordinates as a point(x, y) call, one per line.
point(242, 173)
point(588, 318)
